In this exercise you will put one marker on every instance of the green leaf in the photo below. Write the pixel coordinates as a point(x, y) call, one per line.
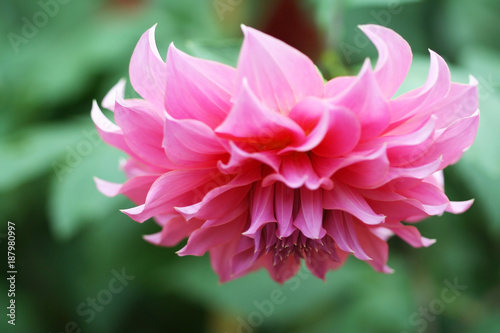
point(31, 152)
point(225, 50)
point(74, 198)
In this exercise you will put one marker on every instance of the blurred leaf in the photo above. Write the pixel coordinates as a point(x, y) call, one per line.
point(490, 324)
point(74, 198)
point(225, 50)
point(464, 22)
point(300, 298)
point(29, 153)
point(373, 3)
point(480, 164)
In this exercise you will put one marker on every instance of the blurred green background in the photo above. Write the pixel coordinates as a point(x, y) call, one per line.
point(56, 56)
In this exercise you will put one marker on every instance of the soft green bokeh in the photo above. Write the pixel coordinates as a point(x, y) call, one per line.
point(70, 238)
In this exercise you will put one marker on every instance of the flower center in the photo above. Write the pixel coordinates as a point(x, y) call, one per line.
point(301, 247)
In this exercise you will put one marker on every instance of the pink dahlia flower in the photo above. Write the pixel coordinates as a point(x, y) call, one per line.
point(265, 164)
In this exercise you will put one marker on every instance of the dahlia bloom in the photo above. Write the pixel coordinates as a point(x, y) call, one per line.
point(265, 164)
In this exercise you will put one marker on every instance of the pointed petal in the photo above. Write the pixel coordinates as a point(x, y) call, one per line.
point(459, 207)
point(283, 207)
point(375, 247)
point(173, 231)
point(143, 131)
point(411, 235)
point(241, 160)
point(313, 115)
point(251, 121)
point(319, 263)
point(369, 173)
point(108, 131)
point(282, 272)
point(181, 185)
point(197, 88)
point(338, 85)
point(204, 239)
point(117, 92)
point(222, 199)
point(340, 226)
point(364, 98)
point(148, 71)
point(461, 102)
point(136, 189)
point(225, 262)
point(435, 88)
point(343, 198)
point(191, 144)
point(394, 57)
point(262, 208)
point(279, 75)
point(310, 218)
point(453, 141)
point(295, 171)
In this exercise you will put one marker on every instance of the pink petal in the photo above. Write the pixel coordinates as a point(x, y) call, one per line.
point(369, 173)
point(148, 71)
point(343, 198)
point(173, 231)
point(320, 262)
point(243, 260)
point(394, 57)
point(253, 122)
point(435, 88)
point(365, 99)
point(343, 133)
point(312, 115)
point(191, 144)
point(283, 207)
point(204, 239)
point(459, 207)
point(340, 226)
point(284, 271)
point(279, 75)
point(136, 189)
point(310, 218)
point(461, 102)
point(411, 235)
point(197, 88)
point(108, 131)
point(327, 166)
point(452, 141)
point(143, 131)
point(374, 247)
point(406, 149)
point(262, 209)
point(117, 92)
point(431, 197)
point(171, 189)
point(338, 85)
point(222, 199)
point(418, 172)
point(241, 160)
point(227, 262)
point(295, 171)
